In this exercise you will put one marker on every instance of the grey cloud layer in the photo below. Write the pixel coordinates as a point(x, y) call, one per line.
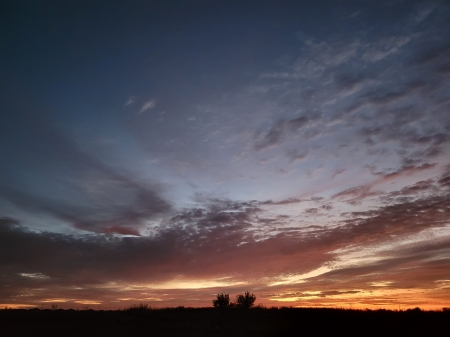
point(222, 238)
point(348, 83)
point(47, 172)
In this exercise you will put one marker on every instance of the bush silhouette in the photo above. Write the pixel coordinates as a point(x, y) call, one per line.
point(245, 301)
point(140, 307)
point(222, 301)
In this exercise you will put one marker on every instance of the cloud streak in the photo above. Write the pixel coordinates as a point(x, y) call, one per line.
point(150, 104)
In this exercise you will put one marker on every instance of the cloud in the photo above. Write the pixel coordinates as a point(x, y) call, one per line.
point(91, 195)
point(148, 105)
point(321, 55)
point(282, 202)
point(400, 218)
point(113, 229)
point(356, 194)
point(272, 138)
point(282, 128)
point(445, 181)
point(415, 189)
point(381, 98)
point(174, 247)
point(338, 172)
point(311, 210)
point(444, 69)
point(404, 171)
point(349, 83)
point(410, 265)
point(131, 100)
point(434, 57)
point(5, 221)
point(388, 118)
point(384, 48)
point(124, 204)
point(422, 12)
point(295, 156)
point(105, 199)
point(220, 236)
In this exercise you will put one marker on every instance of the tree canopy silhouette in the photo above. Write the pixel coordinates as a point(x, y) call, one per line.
point(245, 300)
point(222, 301)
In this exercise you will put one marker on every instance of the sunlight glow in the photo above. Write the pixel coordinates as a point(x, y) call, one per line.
point(300, 278)
point(16, 306)
point(57, 300)
point(193, 284)
point(88, 302)
point(35, 275)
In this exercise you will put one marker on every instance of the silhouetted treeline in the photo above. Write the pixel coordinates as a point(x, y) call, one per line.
point(145, 321)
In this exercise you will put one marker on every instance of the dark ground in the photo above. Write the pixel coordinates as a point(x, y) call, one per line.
point(224, 322)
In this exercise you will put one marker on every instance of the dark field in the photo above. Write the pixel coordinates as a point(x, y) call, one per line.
point(224, 322)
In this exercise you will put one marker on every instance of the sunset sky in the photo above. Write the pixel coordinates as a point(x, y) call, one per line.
point(161, 153)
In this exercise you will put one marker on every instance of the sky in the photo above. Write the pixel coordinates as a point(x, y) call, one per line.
point(162, 152)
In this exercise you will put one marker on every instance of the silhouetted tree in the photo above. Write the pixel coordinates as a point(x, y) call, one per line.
point(245, 301)
point(222, 301)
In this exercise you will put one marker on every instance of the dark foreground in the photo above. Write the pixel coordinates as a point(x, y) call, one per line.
point(229, 322)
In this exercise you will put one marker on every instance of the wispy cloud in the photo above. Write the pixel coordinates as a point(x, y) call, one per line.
point(147, 105)
point(130, 100)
